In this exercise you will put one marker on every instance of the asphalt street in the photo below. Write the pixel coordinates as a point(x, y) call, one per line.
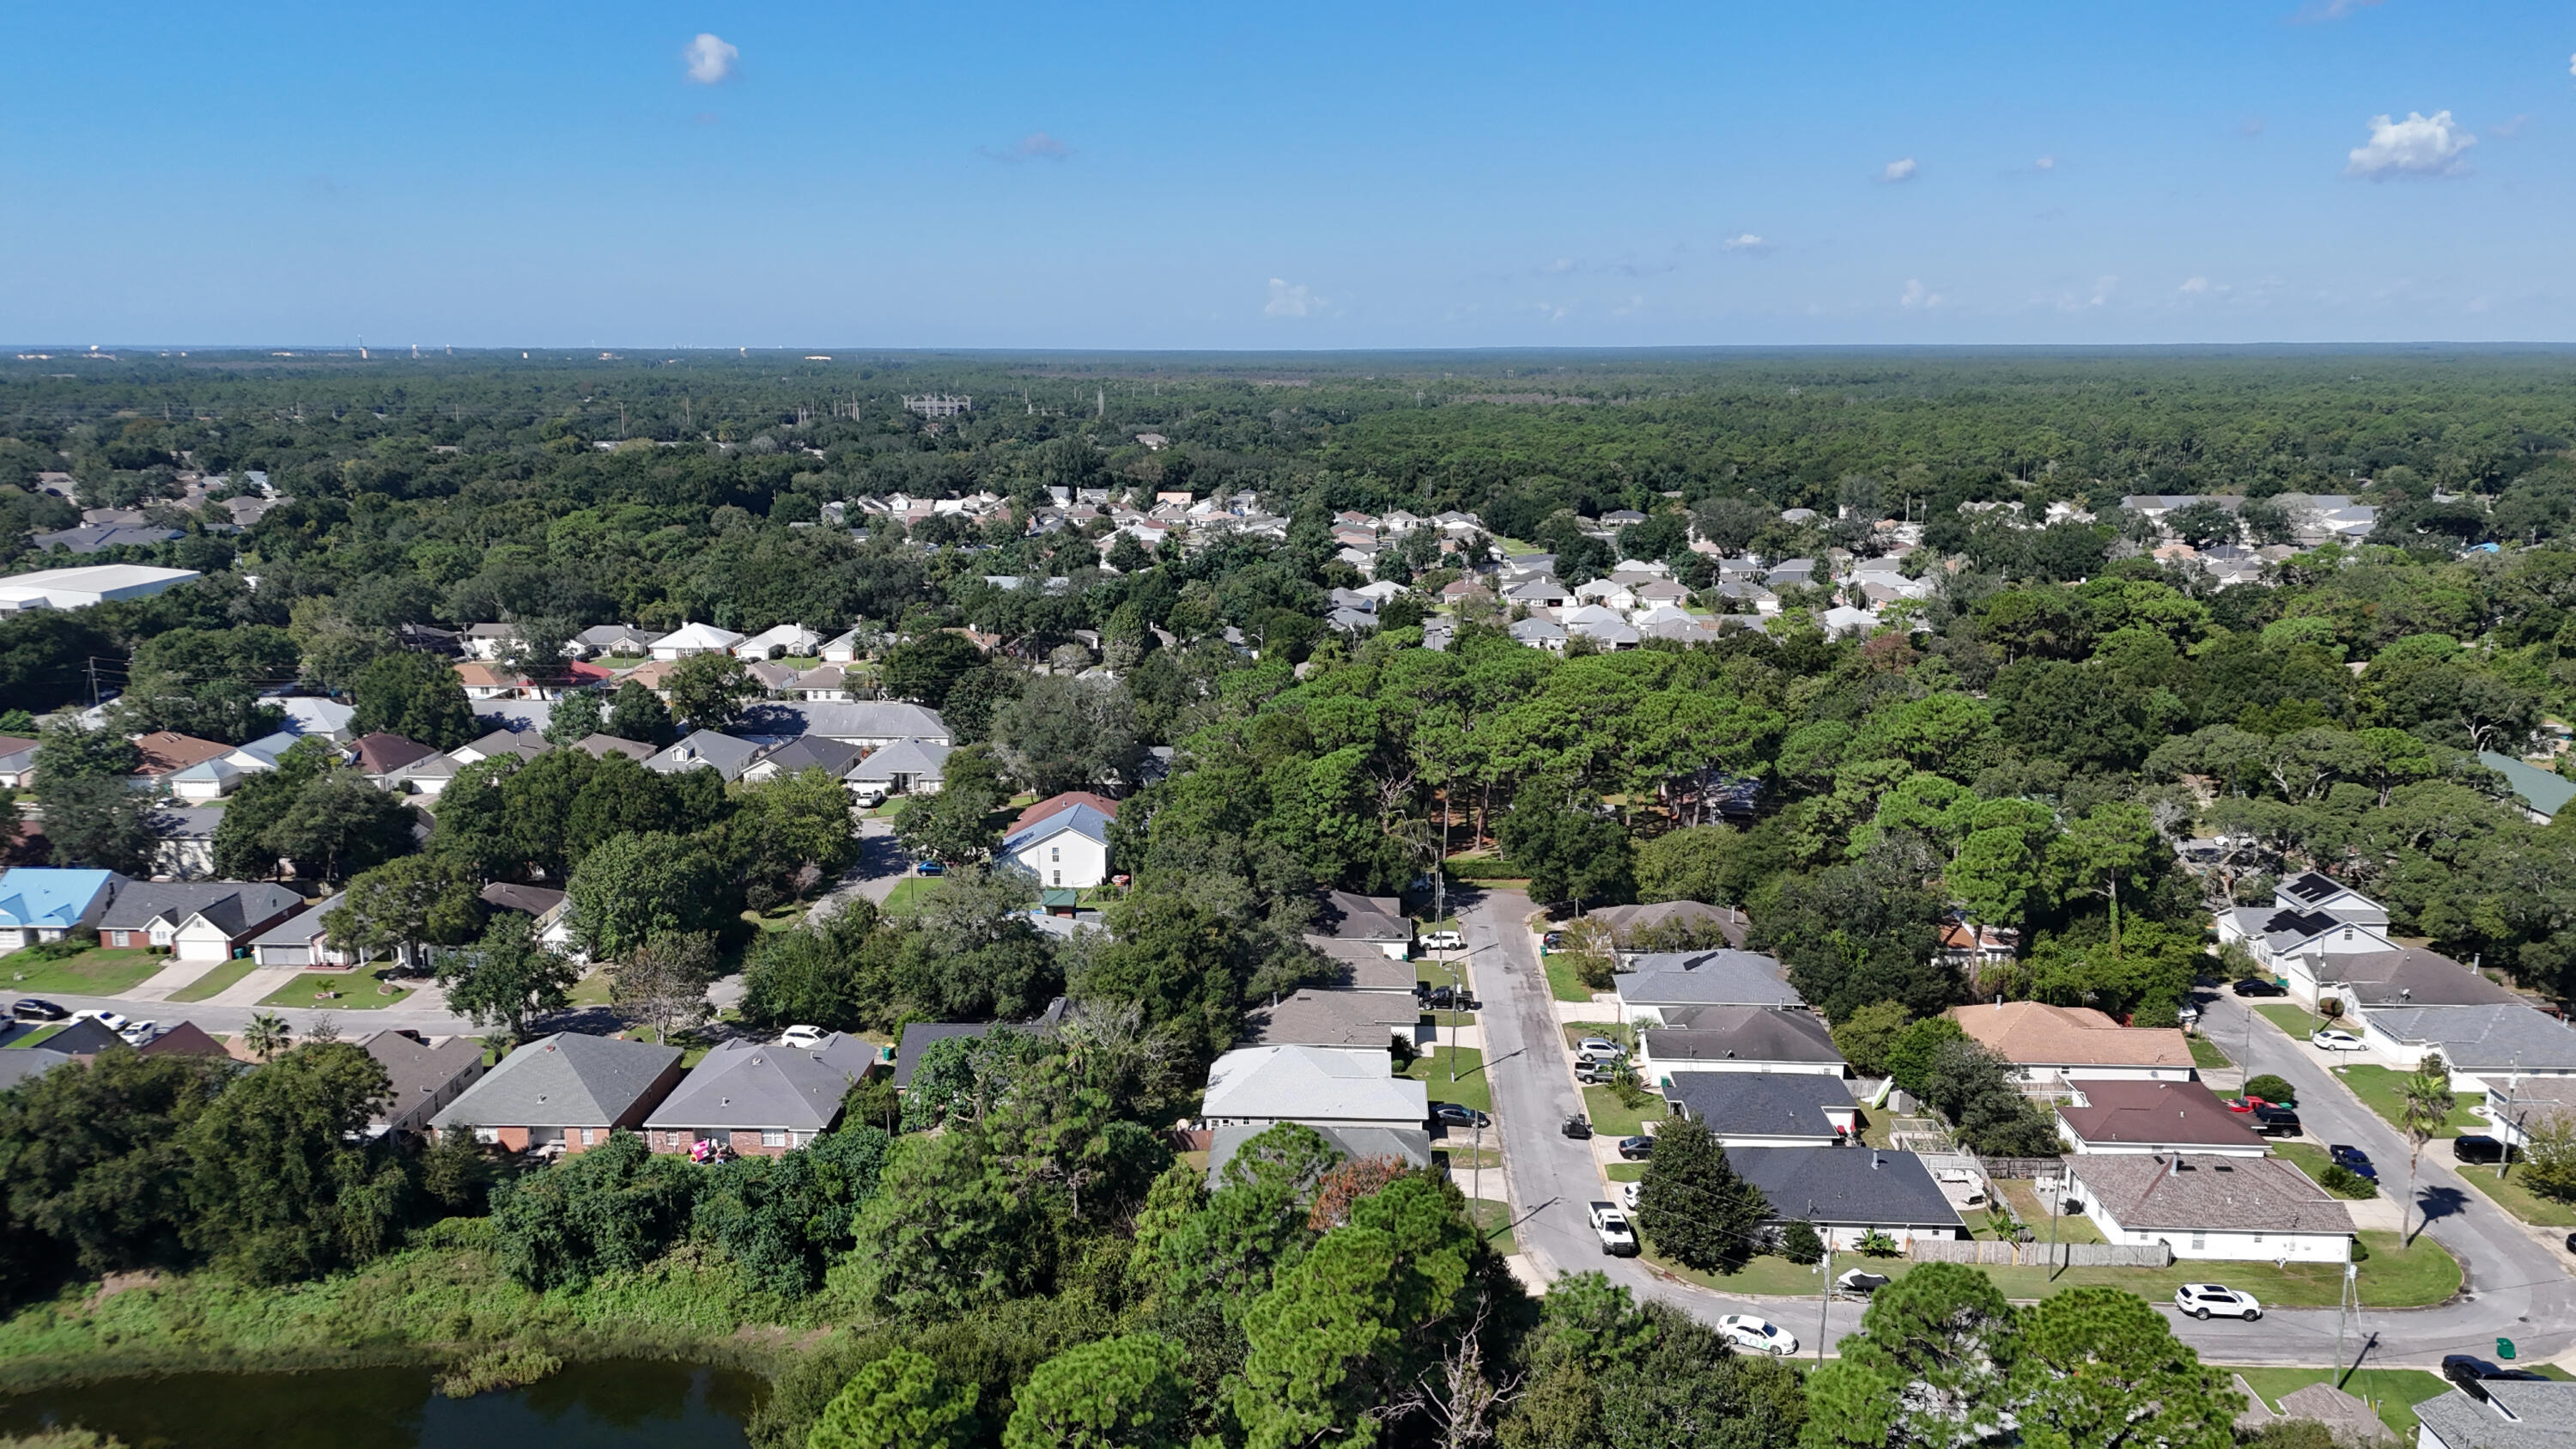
point(2516, 1285)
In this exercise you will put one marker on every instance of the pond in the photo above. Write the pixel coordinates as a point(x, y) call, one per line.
point(614, 1404)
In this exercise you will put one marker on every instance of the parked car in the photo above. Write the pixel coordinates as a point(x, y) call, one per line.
point(1553, 940)
point(1611, 1226)
point(929, 867)
point(136, 1033)
point(1593, 1074)
point(2187, 1015)
point(804, 1038)
point(2353, 1160)
point(2571, 1242)
point(1629, 1193)
point(113, 1021)
point(1637, 1149)
point(2259, 986)
point(2276, 1121)
point(2478, 1147)
point(1861, 1280)
point(1464, 1116)
point(2471, 1374)
point(1443, 941)
point(2201, 1300)
point(2335, 1041)
point(2244, 1104)
point(36, 1008)
point(1758, 1335)
point(1598, 1047)
point(1578, 1127)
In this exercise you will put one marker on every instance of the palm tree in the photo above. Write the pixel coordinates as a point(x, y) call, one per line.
point(2424, 1103)
point(267, 1035)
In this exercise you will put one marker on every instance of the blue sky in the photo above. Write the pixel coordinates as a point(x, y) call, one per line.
point(1324, 175)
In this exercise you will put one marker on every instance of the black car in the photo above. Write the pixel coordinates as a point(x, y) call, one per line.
point(1446, 1112)
point(2353, 1160)
point(1579, 1127)
point(2471, 1374)
point(2476, 1147)
point(2276, 1121)
point(2258, 986)
point(1636, 1148)
point(31, 1008)
point(2571, 1242)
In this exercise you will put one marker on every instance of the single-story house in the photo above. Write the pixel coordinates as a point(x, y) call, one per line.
point(1768, 1109)
point(779, 640)
point(806, 752)
point(829, 682)
point(301, 939)
point(44, 903)
point(313, 717)
point(1319, 1086)
point(760, 1098)
point(167, 752)
point(1538, 633)
point(427, 1073)
point(2367, 981)
point(2482, 1045)
point(487, 641)
point(17, 762)
point(187, 834)
point(2517, 1104)
point(428, 776)
point(1663, 982)
point(20, 1064)
point(2133, 1117)
point(2058, 1044)
point(2208, 1206)
point(2505, 1414)
point(844, 648)
point(378, 756)
point(551, 910)
point(1067, 848)
point(205, 780)
point(1847, 1193)
point(1408, 1145)
point(2542, 793)
point(1376, 921)
point(874, 723)
point(691, 639)
point(906, 767)
point(489, 681)
point(1628, 925)
point(1362, 966)
point(1701, 1039)
point(1322, 1016)
point(564, 1091)
point(195, 920)
point(623, 641)
point(182, 1039)
point(520, 744)
point(920, 1035)
point(707, 750)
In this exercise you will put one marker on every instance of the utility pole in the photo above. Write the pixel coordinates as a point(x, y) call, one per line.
point(1825, 1299)
point(2348, 1304)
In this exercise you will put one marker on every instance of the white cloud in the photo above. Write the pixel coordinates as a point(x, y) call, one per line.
point(2420, 145)
point(710, 59)
point(2044, 163)
point(1898, 171)
point(1916, 298)
point(2571, 65)
point(2333, 9)
point(1291, 301)
point(2194, 284)
point(1747, 242)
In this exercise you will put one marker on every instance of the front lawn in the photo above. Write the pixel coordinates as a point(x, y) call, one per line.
point(2393, 1392)
point(223, 978)
point(2206, 1055)
point(2377, 1089)
point(39, 1034)
point(1494, 1220)
point(357, 991)
point(2312, 1160)
point(2298, 1021)
point(2515, 1196)
point(1562, 980)
point(1470, 1090)
point(1610, 1119)
point(908, 891)
point(94, 972)
point(782, 918)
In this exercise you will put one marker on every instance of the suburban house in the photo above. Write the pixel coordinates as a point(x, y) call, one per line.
point(2517, 1104)
point(873, 723)
point(691, 639)
point(1375, 921)
point(380, 755)
point(2207, 1206)
point(2146, 1117)
point(1667, 982)
point(779, 642)
point(184, 1039)
point(2503, 1414)
point(1361, 966)
point(1635, 929)
point(300, 939)
point(487, 641)
point(2053, 1045)
point(1849, 1193)
point(1766, 1109)
point(1322, 1016)
point(187, 834)
point(760, 1099)
point(1969, 944)
point(20, 1064)
point(1703, 1039)
point(823, 682)
point(906, 767)
point(39, 903)
point(195, 920)
point(426, 1073)
point(1065, 801)
point(2542, 793)
point(550, 909)
point(166, 752)
point(2310, 915)
point(1068, 848)
point(844, 648)
point(522, 745)
point(920, 1036)
point(707, 750)
point(1408, 1145)
point(2366, 981)
point(1319, 1086)
point(2482, 1045)
point(805, 752)
point(564, 1092)
point(17, 762)
point(205, 780)
point(83, 1040)
point(619, 641)
point(489, 681)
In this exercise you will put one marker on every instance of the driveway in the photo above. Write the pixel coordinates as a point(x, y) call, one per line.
point(880, 869)
point(2516, 1286)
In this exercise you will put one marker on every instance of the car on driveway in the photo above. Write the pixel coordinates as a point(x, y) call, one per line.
point(2471, 1374)
point(1637, 1149)
point(2353, 1160)
point(1757, 1335)
point(2335, 1041)
point(1443, 941)
point(2206, 1300)
point(2258, 986)
point(2478, 1147)
point(36, 1008)
point(1553, 940)
point(1578, 1127)
point(1453, 1114)
point(1629, 1193)
point(1599, 1049)
point(2245, 1104)
point(2276, 1121)
point(113, 1021)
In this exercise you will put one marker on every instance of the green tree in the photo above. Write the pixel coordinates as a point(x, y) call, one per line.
point(407, 905)
point(2113, 841)
point(1062, 733)
point(1867, 1036)
point(708, 690)
point(1909, 1056)
point(1693, 1207)
point(924, 669)
point(1571, 849)
point(1926, 1371)
point(817, 974)
point(267, 1035)
point(339, 826)
point(953, 826)
point(637, 713)
point(578, 715)
point(105, 824)
point(1312, 1340)
point(2098, 1368)
point(508, 977)
point(898, 1402)
point(278, 1189)
point(417, 696)
point(785, 1218)
point(2549, 1149)
point(610, 1208)
point(1115, 1393)
point(663, 982)
point(242, 849)
point(1687, 865)
point(94, 1165)
point(633, 887)
point(2424, 1103)
point(2271, 1088)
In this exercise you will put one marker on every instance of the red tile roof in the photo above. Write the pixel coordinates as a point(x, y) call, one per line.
point(1065, 801)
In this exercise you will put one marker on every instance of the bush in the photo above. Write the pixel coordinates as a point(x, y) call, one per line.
point(2344, 1182)
point(1799, 1242)
point(2271, 1089)
point(1479, 867)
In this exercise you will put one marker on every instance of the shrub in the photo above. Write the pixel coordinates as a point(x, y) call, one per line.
point(1799, 1242)
point(2344, 1182)
point(2271, 1089)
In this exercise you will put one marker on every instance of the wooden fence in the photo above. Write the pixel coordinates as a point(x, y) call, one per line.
point(2038, 1255)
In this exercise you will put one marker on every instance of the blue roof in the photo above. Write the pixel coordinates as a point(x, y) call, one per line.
point(1081, 819)
point(55, 899)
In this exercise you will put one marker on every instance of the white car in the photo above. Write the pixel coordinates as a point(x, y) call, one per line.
point(136, 1033)
point(1600, 1049)
point(1443, 941)
point(109, 1019)
point(804, 1038)
point(2202, 1300)
point(1611, 1226)
point(2335, 1041)
point(1757, 1336)
point(1629, 1192)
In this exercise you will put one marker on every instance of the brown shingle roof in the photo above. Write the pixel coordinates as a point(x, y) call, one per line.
point(2156, 1114)
point(381, 752)
point(2033, 1033)
point(2146, 1191)
point(168, 750)
point(1056, 804)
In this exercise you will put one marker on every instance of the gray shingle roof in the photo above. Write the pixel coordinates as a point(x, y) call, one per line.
point(301, 927)
point(813, 752)
point(1706, 978)
point(1313, 1017)
point(1294, 1083)
point(2409, 974)
point(416, 1067)
point(748, 1085)
point(24, 1063)
point(1841, 1185)
point(565, 1080)
point(2144, 1190)
point(230, 905)
point(2482, 1038)
point(875, 719)
point(1350, 916)
point(706, 750)
point(2518, 1415)
point(919, 759)
point(1761, 1104)
point(1742, 1033)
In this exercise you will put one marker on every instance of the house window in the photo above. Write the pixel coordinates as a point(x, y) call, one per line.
point(589, 1136)
point(2199, 1241)
point(1059, 879)
point(2258, 1237)
point(1055, 852)
point(773, 1137)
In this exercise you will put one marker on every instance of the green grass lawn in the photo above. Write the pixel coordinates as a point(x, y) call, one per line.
point(784, 918)
point(2298, 1021)
point(1626, 1171)
point(910, 890)
point(1610, 1119)
point(2022, 1196)
point(1470, 1090)
point(222, 978)
point(2511, 1194)
point(359, 991)
point(2206, 1055)
point(1576, 1031)
point(592, 988)
point(94, 972)
point(1777, 1277)
point(1562, 982)
point(2377, 1088)
point(2393, 1392)
point(1494, 1220)
point(2310, 1159)
point(39, 1034)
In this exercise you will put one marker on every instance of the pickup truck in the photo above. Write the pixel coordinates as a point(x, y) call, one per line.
point(1611, 1226)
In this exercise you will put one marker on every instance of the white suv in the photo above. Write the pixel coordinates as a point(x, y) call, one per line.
point(2201, 1300)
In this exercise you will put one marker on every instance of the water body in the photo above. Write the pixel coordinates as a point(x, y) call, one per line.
point(615, 1404)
